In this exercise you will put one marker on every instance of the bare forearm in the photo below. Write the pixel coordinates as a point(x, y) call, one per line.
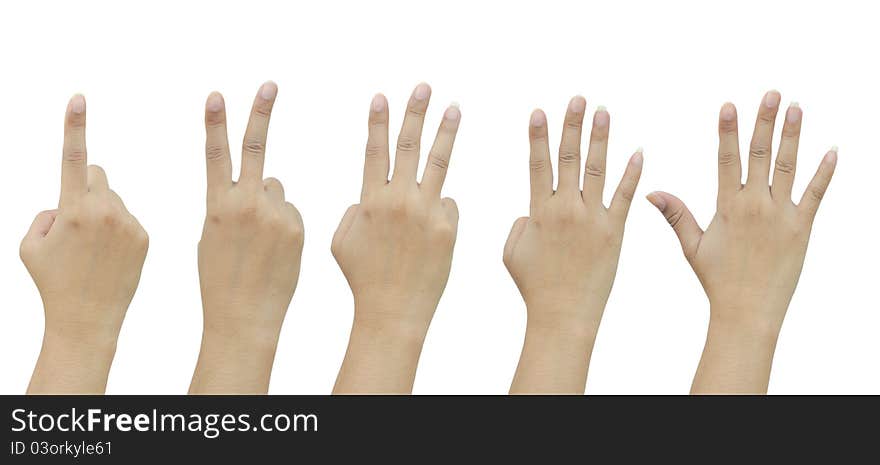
point(382, 358)
point(72, 367)
point(556, 353)
point(736, 359)
point(234, 364)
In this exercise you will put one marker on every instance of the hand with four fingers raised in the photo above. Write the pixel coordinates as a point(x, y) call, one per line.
point(395, 249)
point(249, 257)
point(85, 258)
point(563, 256)
point(750, 257)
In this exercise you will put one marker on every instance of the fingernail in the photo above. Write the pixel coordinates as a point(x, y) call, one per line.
point(215, 102)
point(452, 113)
point(793, 114)
point(421, 91)
point(728, 112)
point(268, 91)
point(831, 156)
point(577, 104)
point(601, 118)
point(378, 103)
point(77, 104)
point(771, 99)
point(657, 201)
point(538, 118)
point(637, 157)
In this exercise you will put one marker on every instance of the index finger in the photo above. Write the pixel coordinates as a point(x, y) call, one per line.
point(219, 164)
point(253, 150)
point(73, 164)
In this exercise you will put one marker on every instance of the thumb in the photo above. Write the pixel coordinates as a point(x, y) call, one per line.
point(342, 230)
point(42, 224)
point(681, 220)
point(515, 232)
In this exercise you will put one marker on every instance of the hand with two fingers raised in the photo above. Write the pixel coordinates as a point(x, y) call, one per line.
point(249, 257)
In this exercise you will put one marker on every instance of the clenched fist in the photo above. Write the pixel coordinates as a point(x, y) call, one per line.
point(85, 258)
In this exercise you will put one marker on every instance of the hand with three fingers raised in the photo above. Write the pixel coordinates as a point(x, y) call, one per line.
point(750, 257)
point(563, 256)
point(86, 258)
point(395, 250)
point(249, 257)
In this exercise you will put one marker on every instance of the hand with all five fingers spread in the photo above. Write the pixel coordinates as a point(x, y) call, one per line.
point(750, 257)
point(86, 258)
point(395, 250)
point(249, 257)
point(563, 256)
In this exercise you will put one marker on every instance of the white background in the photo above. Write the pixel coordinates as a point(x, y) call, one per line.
point(663, 69)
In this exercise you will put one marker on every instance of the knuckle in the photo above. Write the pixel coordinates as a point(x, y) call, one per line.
point(438, 162)
point(367, 208)
point(214, 218)
point(296, 232)
point(675, 217)
point(248, 213)
point(574, 124)
point(375, 151)
point(407, 144)
point(594, 170)
point(215, 152)
point(399, 208)
point(569, 157)
point(727, 158)
point(727, 128)
point(415, 111)
point(75, 155)
point(26, 250)
point(784, 166)
point(263, 110)
point(768, 117)
point(141, 238)
point(377, 121)
point(538, 165)
point(759, 152)
point(254, 146)
point(599, 135)
point(816, 193)
point(444, 232)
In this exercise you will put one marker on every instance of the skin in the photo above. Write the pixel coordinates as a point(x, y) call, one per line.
point(395, 250)
point(249, 257)
point(563, 256)
point(750, 257)
point(86, 258)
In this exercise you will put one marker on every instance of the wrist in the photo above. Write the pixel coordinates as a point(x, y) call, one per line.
point(749, 322)
point(407, 319)
point(403, 332)
point(575, 316)
point(239, 339)
point(87, 346)
point(382, 356)
point(71, 364)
